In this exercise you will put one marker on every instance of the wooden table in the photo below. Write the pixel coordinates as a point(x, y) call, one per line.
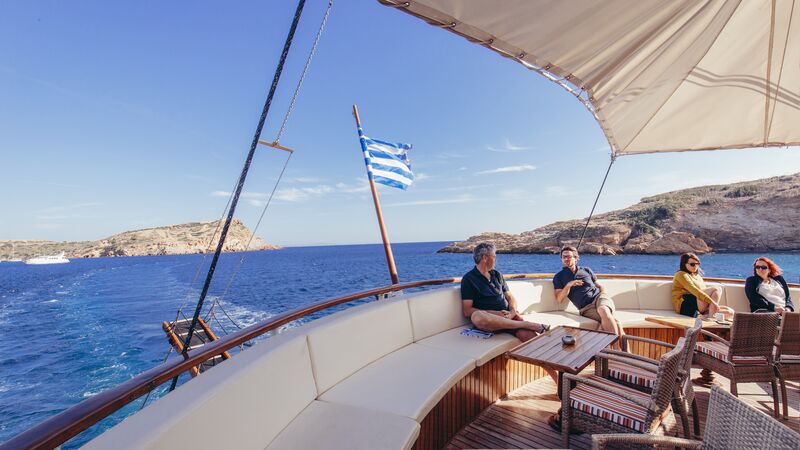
point(706, 377)
point(547, 350)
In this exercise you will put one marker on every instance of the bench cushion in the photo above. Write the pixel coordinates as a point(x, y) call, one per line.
point(555, 319)
point(324, 425)
point(655, 295)
point(735, 297)
point(365, 333)
point(408, 382)
point(623, 292)
point(481, 350)
point(252, 397)
point(435, 311)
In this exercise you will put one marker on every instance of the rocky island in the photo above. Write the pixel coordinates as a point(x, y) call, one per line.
point(754, 216)
point(195, 237)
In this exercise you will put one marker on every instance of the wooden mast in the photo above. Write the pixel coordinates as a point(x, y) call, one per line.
point(386, 246)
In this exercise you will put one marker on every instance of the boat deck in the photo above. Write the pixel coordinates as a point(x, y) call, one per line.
point(520, 420)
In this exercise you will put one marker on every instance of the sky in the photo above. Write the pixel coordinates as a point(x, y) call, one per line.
point(129, 115)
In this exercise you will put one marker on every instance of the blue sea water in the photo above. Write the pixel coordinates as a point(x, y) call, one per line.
point(70, 331)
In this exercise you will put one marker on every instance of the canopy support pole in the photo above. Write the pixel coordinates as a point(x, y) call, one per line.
point(588, 219)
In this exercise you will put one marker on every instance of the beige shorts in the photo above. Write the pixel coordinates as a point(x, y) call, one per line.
point(590, 310)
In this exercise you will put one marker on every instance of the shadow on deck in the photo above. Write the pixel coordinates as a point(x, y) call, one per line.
point(520, 419)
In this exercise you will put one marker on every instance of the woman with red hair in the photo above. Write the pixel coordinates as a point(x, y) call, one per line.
point(766, 289)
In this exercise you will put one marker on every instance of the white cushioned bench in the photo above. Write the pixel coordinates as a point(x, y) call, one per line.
point(362, 378)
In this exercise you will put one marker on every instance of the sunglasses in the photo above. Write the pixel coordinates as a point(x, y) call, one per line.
point(761, 267)
point(693, 264)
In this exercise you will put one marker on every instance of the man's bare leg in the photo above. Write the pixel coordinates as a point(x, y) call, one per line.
point(490, 322)
point(610, 324)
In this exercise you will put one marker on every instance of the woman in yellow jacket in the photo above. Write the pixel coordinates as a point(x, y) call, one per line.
point(690, 295)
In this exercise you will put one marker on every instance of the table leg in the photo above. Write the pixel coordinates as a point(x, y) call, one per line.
point(560, 382)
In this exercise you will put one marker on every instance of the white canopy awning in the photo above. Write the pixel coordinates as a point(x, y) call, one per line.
point(659, 76)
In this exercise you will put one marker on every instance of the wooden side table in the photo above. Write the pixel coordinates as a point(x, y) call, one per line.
point(548, 351)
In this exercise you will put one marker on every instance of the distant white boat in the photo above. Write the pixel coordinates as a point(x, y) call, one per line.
point(48, 259)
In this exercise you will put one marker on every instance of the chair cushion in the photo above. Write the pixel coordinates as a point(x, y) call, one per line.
point(435, 311)
point(719, 351)
point(482, 350)
point(407, 382)
point(631, 375)
point(564, 318)
point(609, 406)
point(366, 332)
point(324, 425)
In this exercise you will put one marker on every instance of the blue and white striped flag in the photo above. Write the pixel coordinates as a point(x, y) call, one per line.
point(387, 163)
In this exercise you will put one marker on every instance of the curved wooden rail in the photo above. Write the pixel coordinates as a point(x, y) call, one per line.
point(57, 429)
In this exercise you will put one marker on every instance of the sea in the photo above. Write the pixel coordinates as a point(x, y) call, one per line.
point(70, 331)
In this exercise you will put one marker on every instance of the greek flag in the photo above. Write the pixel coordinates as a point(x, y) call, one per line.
point(387, 163)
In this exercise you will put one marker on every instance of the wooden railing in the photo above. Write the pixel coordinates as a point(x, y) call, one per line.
point(63, 426)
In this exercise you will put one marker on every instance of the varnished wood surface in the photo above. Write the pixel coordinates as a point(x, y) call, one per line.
point(520, 419)
point(548, 349)
point(687, 322)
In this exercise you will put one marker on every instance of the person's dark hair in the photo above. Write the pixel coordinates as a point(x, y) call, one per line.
point(684, 259)
point(774, 270)
point(570, 248)
point(484, 248)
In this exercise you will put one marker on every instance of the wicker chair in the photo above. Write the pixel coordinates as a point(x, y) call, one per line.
point(748, 357)
point(787, 354)
point(598, 405)
point(639, 372)
point(731, 424)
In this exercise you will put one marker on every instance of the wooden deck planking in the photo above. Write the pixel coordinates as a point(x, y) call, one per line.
point(520, 419)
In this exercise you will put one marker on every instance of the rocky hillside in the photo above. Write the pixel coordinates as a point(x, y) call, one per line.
point(754, 216)
point(171, 240)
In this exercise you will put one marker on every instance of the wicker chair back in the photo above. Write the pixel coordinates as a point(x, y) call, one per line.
point(669, 366)
point(732, 424)
point(789, 335)
point(753, 334)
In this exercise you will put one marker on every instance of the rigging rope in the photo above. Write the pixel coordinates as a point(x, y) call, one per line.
point(289, 110)
point(578, 247)
point(240, 185)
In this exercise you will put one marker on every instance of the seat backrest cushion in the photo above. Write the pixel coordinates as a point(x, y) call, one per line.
point(538, 296)
point(351, 339)
point(735, 297)
point(623, 292)
point(655, 295)
point(243, 403)
point(435, 311)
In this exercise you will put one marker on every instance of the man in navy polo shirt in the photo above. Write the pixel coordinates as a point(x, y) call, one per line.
point(488, 303)
point(581, 286)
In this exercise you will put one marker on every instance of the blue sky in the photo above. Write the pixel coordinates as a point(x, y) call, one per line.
point(119, 116)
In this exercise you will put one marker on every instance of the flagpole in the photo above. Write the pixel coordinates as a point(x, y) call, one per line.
point(386, 246)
